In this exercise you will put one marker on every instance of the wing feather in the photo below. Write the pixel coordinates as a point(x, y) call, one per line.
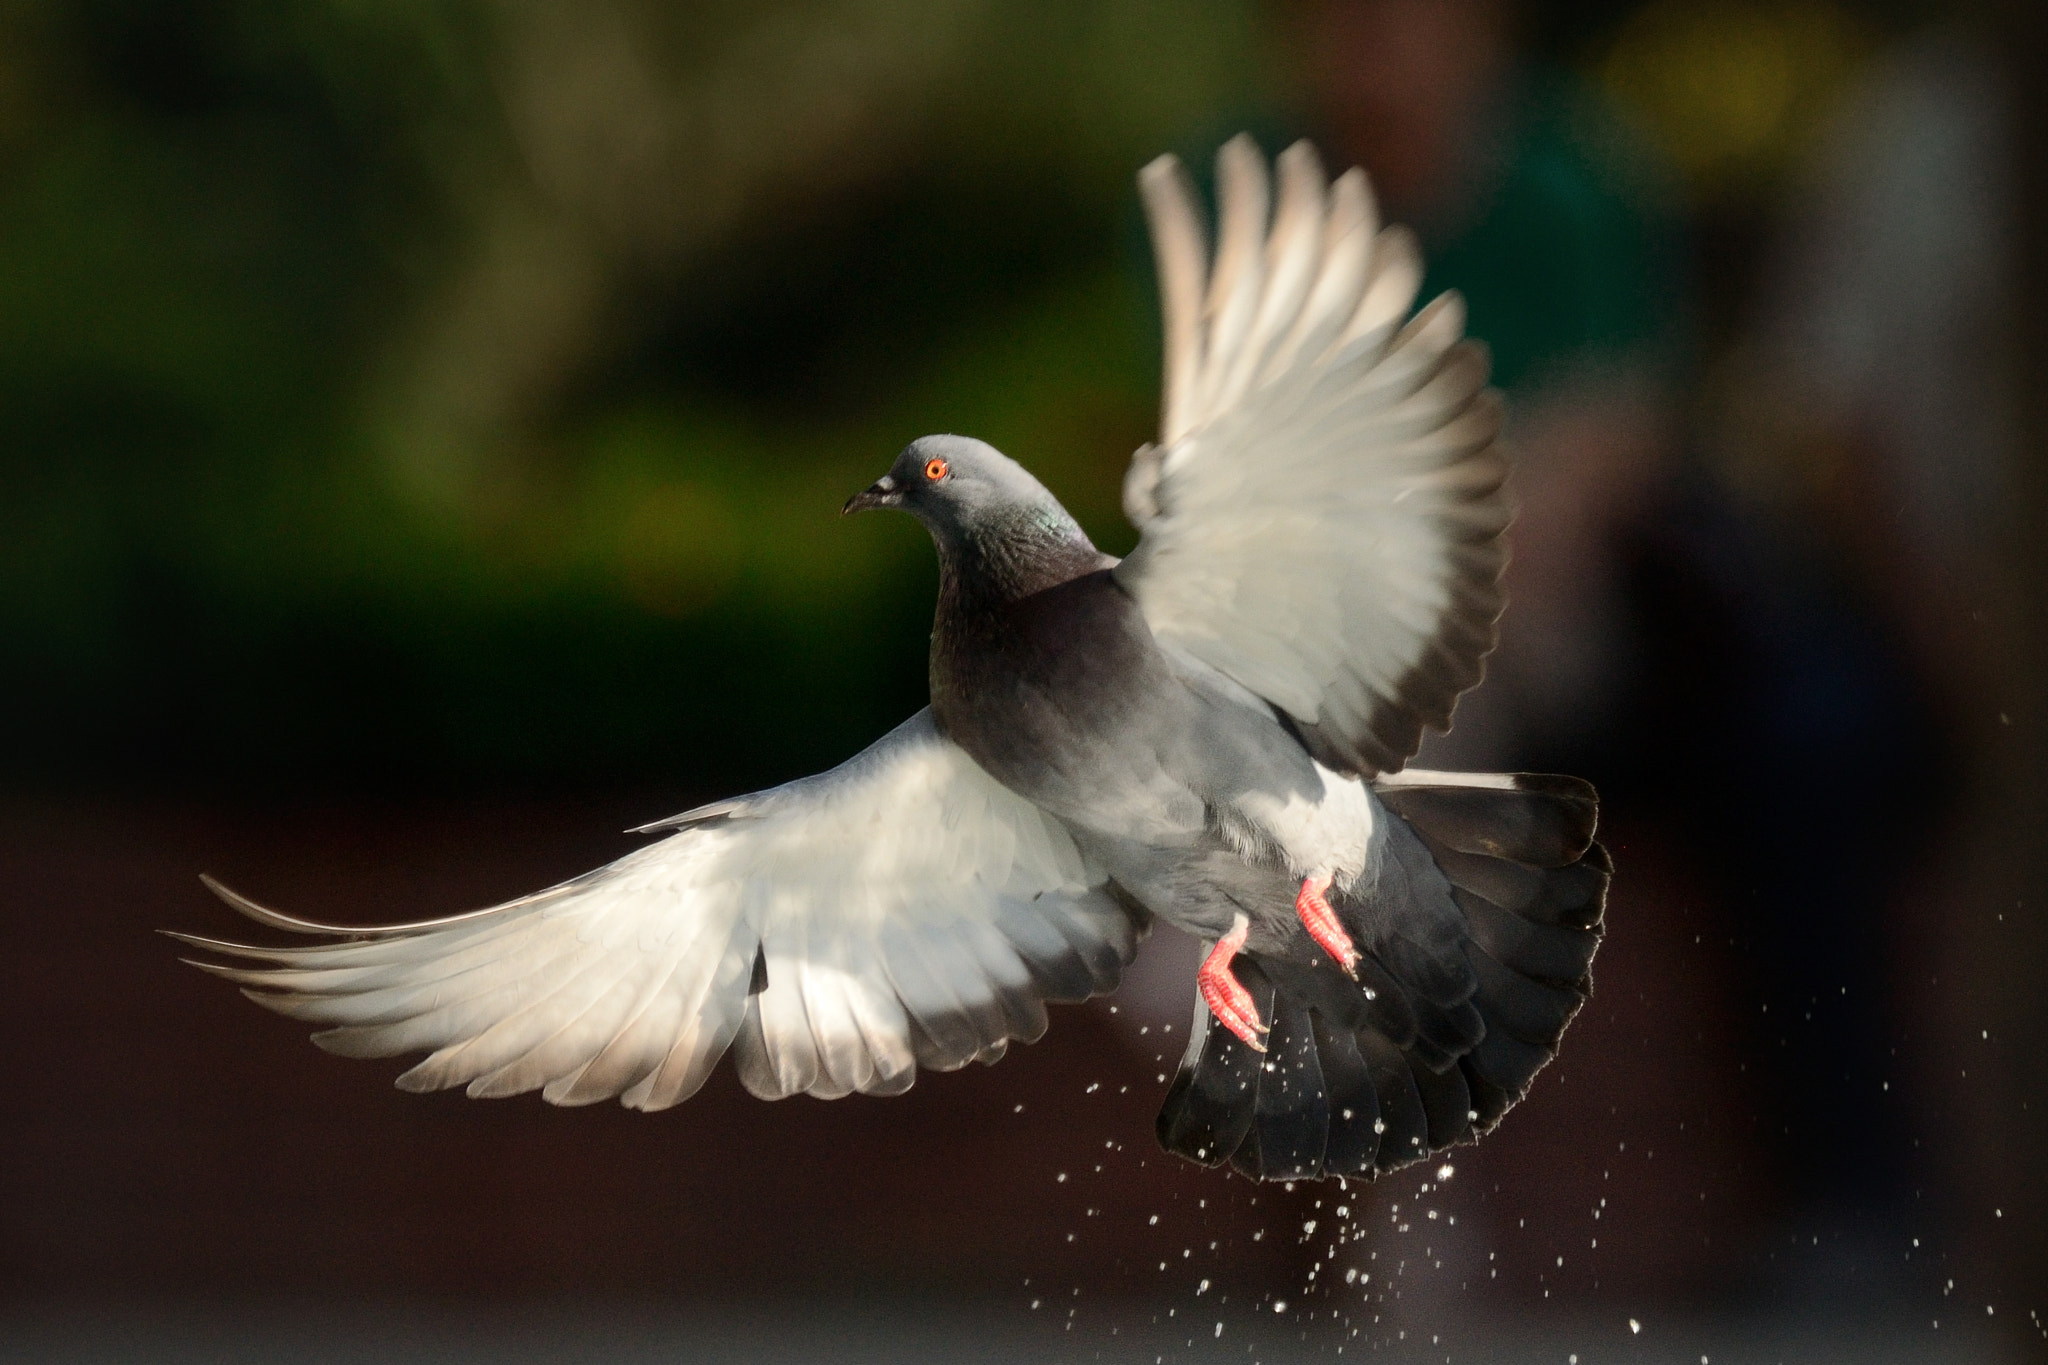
point(632, 1052)
point(1238, 281)
point(1182, 250)
point(1321, 518)
point(908, 909)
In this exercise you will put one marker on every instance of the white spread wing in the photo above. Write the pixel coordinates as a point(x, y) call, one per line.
point(1321, 516)
point(904, 908)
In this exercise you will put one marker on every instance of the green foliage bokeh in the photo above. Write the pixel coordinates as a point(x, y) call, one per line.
point(456, 394)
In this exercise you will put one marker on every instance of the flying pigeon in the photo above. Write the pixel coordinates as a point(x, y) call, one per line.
point(1210, 732)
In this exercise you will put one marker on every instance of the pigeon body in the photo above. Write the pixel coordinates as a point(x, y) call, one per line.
point(1044, 670)
point(1211, 732)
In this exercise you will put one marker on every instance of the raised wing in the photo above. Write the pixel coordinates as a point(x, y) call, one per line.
point(1321, 516)
point(903, 909)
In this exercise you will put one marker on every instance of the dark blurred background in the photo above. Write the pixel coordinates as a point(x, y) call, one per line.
point(422, 429)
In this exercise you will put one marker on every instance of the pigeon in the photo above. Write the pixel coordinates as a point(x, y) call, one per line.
point(1212, 733)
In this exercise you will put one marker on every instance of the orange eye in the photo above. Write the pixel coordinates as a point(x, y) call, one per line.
point(936, 469)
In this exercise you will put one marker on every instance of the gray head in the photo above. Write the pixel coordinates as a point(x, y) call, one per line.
point(965, 490)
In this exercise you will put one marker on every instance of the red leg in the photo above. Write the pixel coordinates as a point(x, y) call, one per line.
point(1224, 994)
point(1322, 924)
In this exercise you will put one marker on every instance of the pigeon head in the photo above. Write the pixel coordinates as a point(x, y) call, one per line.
point(969, 494)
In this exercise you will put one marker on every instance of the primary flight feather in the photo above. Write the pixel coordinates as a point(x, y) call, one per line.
point(1210, 732)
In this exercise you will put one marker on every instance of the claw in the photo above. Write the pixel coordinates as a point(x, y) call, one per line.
point(1224, 994)
point(1322, 924)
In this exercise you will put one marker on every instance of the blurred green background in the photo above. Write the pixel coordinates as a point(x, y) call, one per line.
point(452, 393)
point(402, 394)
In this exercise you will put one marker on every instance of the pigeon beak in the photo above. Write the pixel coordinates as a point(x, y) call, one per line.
point(881, 493)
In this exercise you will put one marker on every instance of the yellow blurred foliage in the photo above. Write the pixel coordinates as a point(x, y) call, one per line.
point(1732, 88)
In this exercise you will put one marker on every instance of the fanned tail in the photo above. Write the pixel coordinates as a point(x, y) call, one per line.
point(1479, 939)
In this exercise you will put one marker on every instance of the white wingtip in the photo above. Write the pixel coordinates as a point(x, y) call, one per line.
point(277, 919)
point(273, 918)
point(1181, 251)
point(1243, 198)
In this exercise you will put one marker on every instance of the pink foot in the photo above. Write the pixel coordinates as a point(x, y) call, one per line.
point(1224, 994)
point(1321, 922)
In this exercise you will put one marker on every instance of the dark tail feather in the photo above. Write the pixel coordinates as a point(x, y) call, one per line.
point(1291, 1113)
point(1349, 1085)
point(1209, 1109)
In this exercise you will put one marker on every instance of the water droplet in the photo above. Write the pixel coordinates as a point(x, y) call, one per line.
point(1634, 1326)
point(1280, 1306)
point(1445, 1172)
